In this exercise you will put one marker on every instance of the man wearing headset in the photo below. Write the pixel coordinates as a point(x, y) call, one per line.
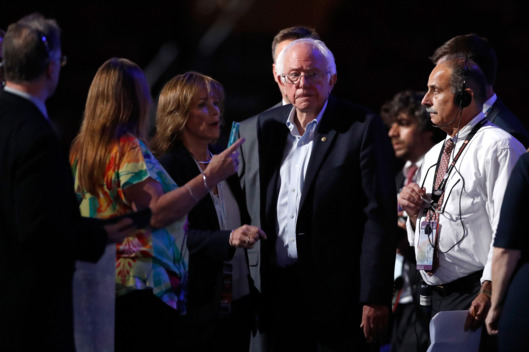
point(454, 207)
point(480, 50)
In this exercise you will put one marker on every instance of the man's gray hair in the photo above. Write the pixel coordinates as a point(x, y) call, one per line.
point(316, 44)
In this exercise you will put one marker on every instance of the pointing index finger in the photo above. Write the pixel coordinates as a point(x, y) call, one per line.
point(235, 145)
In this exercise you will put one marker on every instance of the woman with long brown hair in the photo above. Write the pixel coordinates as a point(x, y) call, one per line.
point(116, 173)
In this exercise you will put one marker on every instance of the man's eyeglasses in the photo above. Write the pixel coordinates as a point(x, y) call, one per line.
point(310, 77)
point(63, 60)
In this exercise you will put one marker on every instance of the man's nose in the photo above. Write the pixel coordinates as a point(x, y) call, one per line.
point(304, 82)
point(393, 130)
point(426, 100)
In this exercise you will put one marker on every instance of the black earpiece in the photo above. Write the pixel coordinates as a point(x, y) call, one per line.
point(463, 98)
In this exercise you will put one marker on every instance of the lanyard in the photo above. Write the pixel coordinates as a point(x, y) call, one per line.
point(436, 194)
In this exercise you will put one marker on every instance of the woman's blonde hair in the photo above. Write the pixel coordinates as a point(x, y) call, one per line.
point(118, 103)
point(174, 105)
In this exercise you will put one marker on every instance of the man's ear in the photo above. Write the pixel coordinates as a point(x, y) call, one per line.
point(279, 80)
point(332, 80)
point(52, 68)
point(275, 73)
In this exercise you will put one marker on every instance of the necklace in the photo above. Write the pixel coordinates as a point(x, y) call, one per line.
point(206, 161)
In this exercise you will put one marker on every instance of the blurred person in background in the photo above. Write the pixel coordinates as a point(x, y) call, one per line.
point(412, 135)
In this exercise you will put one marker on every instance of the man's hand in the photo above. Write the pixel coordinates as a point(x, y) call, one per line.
point(374, 321)
point(118, 231)
point(479, 308)
point(246, 236)
point(410, 199)
point(492, 320)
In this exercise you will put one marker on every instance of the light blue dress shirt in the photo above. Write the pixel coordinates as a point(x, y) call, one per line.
point(296, 156)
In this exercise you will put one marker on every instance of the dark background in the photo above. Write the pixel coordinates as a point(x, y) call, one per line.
point(380, 47)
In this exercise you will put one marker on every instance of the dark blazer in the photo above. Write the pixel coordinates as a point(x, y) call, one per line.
point(502, 117)
point(208, 246)
point(42, 232)
point(345, 231)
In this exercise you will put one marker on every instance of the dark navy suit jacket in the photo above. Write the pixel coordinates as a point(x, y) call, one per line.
point(506, 120)
point(345, 233)
point(41, 232)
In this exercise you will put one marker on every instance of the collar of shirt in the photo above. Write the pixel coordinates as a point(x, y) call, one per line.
point(488, 104)
point(311, 126)
point(40, 105)
point(463, 132)
point(408, 164)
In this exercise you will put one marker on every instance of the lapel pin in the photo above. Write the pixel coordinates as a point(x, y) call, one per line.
point(323, 139)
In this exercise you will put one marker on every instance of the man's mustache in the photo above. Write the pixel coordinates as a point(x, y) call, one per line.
point(431, 110)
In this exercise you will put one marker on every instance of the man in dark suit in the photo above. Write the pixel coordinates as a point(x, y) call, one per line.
point(42, 231)
point(479, 50)
point(249, 163)
point(328, 207)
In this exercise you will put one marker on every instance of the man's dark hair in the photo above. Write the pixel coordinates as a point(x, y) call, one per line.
point(475, 48)
point(293, 33)
point(27, 46)
point(466, 71)
point(409, 103)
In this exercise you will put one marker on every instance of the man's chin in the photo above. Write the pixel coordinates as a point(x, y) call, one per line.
point(401, 154)
point(307, 106)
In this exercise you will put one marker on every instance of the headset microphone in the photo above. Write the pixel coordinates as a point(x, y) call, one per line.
point(449, 123)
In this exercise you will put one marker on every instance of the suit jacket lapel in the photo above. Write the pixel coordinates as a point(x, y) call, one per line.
point(323, 140)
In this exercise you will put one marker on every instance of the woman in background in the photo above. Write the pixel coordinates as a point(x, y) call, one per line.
point(188, 120)
point(115, 173)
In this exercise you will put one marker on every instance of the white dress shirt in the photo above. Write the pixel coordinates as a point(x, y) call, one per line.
point(488, 104)
point(472, 201)
point(296, 156)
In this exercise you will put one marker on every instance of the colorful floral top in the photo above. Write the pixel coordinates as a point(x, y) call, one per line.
point(156, 258)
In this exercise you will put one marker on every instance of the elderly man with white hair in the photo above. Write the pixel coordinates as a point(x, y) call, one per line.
point(328, 205)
